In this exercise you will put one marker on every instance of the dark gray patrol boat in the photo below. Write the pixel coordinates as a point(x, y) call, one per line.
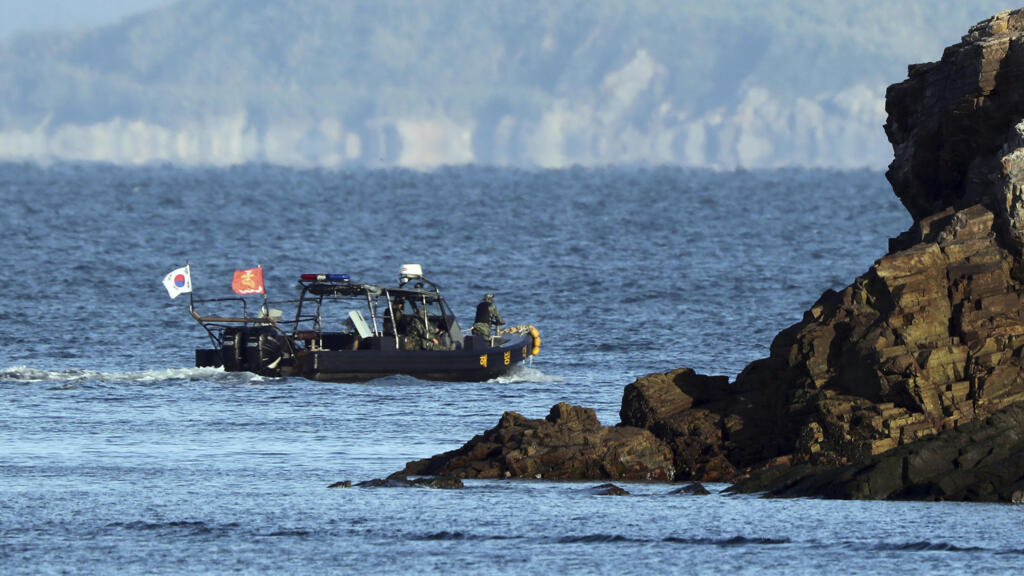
point(342, 331)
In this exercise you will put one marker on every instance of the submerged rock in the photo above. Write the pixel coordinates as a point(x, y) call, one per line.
point(439, 482)
point(400, 481)
point(609, 490)
point(389, 482)
point(570, 444)
point(692, 489)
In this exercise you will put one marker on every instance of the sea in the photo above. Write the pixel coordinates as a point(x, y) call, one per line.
point(118, 456)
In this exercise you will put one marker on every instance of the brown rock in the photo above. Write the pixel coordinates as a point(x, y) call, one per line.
point(654, 399)
point(609, 490)
point(570, 444)
point(983, 461)
point(401, 481)
point(692, 489)
point(953, 126)
point(439, 482)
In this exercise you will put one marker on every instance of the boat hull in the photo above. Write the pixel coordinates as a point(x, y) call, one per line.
point(467, 364)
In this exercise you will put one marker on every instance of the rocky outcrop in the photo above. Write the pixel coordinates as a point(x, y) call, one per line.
point(931, 337)
point(929, 340)
point(955, 127)
point(981, 461)
point(570, 444)
point(682, 408)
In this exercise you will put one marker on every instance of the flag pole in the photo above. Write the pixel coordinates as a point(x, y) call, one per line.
point(188, 270)
point(264, 282)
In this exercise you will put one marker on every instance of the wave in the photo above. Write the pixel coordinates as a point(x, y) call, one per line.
point(179, 527)
point(456, 535)
point(446, 535)
point(739, 541)
point(926, 546)
point(733, 541)
point(600, 538)
point(291, 533)
point(721, 542)
point(929, 546)
point(597, 538)
point(73, 376)
point(200, 528)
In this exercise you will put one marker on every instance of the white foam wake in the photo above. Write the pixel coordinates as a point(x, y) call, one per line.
point(73, 376)
point(526, 373)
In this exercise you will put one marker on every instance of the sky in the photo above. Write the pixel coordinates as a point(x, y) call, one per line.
point(36, 15)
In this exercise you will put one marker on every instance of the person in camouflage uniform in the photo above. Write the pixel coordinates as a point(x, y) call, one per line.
point(486, 314)
point(418, 336)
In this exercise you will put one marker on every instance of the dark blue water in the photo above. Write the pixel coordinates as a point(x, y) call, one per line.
point(116, 456)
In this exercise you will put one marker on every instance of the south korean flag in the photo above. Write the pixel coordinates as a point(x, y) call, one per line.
point(178, 282)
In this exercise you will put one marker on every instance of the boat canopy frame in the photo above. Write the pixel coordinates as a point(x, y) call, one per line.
point(317, 288)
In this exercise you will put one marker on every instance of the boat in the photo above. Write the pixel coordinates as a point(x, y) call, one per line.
point(346, 331)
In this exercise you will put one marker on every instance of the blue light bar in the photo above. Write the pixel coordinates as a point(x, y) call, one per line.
point(326, 277)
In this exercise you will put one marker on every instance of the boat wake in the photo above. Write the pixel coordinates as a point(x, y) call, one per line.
point(71, 377)
point(526, 373)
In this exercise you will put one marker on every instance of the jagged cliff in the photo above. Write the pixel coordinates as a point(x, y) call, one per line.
point(929, 340)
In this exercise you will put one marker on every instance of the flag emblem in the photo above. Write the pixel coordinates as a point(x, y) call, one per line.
point(249, 281)
point(178, 282)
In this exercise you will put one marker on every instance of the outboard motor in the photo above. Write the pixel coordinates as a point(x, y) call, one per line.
point(269, 351)
point(233, 350)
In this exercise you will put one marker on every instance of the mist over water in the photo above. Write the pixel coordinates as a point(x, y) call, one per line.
point(118, 456)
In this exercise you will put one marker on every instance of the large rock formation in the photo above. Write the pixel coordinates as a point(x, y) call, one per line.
point(570, 444)
point(955, 127)
point(932, 336)
point(929, 339)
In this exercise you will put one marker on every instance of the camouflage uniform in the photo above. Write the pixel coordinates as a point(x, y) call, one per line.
point(419, 337)
point(486, 314)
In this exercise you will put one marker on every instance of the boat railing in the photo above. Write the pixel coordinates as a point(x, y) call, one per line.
point(268, 313)
point(216, 324)
point(243, 319)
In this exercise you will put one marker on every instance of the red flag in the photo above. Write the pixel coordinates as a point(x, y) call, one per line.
point(248, 281)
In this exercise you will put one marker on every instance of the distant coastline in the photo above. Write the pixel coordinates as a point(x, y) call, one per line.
point(317, 84)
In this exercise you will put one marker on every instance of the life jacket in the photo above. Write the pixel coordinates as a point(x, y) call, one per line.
point(483, 312)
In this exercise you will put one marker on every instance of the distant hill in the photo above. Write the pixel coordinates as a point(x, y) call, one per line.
point(385, 82)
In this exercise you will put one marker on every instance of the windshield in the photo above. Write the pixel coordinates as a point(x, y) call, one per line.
point(410, 306)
